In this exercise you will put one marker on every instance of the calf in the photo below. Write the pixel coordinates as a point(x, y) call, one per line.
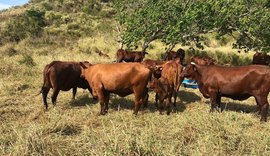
point(63, 76)
point(119, 78)
point(172, 70)
point(171, 55)
point(163, 91)
point(261, 58)
point(130, 56)
point(238, 83)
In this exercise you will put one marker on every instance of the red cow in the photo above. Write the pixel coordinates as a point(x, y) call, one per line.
point(238, 83)
point(163, 91)
point(130, 56)
point(171, 55)
point(119, 78)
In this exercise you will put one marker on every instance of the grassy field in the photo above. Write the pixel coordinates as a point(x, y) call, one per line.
point(74, 127)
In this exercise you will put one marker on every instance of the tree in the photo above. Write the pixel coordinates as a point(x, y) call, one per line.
point(184, 21)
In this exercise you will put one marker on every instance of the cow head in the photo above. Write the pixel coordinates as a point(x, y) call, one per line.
point(190, 70)
point(84, 67)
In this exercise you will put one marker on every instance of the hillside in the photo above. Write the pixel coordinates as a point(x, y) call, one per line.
point(42, 31)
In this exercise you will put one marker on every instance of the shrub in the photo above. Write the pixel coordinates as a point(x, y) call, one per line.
point(27, 60)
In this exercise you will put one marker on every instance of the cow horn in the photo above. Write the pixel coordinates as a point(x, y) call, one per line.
point(193, 63)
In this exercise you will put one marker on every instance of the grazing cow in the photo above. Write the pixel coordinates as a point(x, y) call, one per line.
point(238, 83)
point(171, 70)
point(171, 55)
point(130, 56)
point(119, 78)
point(261, 58)
point(163, 91)
point(63, 76)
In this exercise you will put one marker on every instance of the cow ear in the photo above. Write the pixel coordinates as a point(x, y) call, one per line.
point(83, 65)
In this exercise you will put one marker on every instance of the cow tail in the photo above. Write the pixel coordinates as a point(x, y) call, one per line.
point(178, 78)
point(45, 79)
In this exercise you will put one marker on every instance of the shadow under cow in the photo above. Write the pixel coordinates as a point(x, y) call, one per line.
point(83, 101)
point(239, 107)
point(188, 97)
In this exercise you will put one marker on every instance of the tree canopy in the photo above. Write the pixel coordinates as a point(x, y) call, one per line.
point(184, 21)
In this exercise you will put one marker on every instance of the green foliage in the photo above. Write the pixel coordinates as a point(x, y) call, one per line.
point(31, 24)
point(177, 21)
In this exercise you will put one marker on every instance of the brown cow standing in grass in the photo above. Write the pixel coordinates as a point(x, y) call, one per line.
point(130, 56)
point(172, 55)
point(261, 58)
point(119, 78)
point(63, 76)
point(171, 70)
point(238, 83)
point(163, 91)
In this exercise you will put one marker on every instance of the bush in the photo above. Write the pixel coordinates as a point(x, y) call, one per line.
point(27, 60)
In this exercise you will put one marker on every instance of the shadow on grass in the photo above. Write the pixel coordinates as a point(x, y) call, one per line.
point(118, 103)
point(188, 97)
point(83, 101)
point(238, 107)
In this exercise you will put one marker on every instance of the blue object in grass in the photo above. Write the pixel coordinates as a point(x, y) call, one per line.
point(190, 84)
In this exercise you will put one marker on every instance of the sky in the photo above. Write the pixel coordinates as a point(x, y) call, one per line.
point(4, 4)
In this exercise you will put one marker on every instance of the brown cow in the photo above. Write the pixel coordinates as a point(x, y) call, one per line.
point(119, 78)
point(172, 70)
point(172, 55)
point(130, 56)
point(63, 76)
point(238, 83)
point(163, 91)
point(261, 58)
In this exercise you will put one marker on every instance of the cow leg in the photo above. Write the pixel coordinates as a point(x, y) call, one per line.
point(54, 95)
point(218, 103)
point(101, 99)
point(174, 102)
point(138, 101)
point(161, 106)
point(213, 101)
point(45, 92)
point(145, 102)
point(258, 107)
point(106, 101)
point(264, 105)
point(156, 99)
point(168, 101)
point(74, 91)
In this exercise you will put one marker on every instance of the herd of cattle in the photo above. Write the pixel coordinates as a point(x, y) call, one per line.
point(137, 76)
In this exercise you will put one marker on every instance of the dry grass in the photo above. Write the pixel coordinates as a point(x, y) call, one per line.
point(76, 128)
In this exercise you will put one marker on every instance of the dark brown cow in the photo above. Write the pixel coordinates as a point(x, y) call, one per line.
point(130, 56)
point(172, 70)
point(172, 55)
point(63, 76)
point(261, 58)
point(163, 91)
point(119, 78)
point(238, 83)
